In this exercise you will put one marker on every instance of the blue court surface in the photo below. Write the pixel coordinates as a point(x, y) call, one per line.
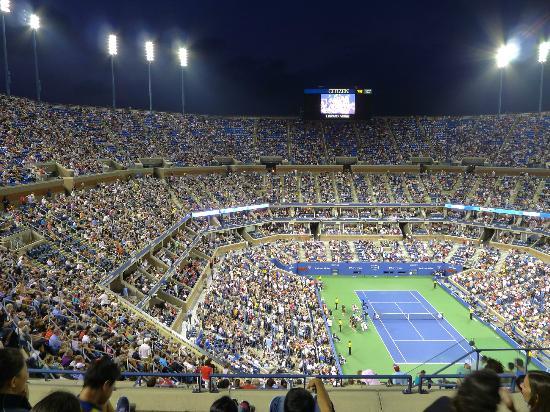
point(408, 339)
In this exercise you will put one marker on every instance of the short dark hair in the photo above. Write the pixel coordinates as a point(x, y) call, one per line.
point(299, 400)
point(104, 370)
point(494, 365)
point(224, 404)
point(478, 392)
point(58, 401)
point(11, 363)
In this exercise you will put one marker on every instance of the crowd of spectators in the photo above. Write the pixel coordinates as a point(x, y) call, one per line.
point(80, 137)
point(517, 290)
point(57, 313)
point(262, 318)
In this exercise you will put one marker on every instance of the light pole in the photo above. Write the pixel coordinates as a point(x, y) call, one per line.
point(112, 45)
point(505, 54)
point(183, 64)
point(544, 48)
point(4, 9)
point(150, 57)
point(34, 23)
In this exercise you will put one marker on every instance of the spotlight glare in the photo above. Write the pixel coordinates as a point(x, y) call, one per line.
point(506, 54)
point(149, 51)
point(183, 56)
point(34, 22)
point(5, 6)
point(544, 49)
point(112, 45)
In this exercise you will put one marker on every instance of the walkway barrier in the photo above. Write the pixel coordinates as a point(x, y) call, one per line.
point(507, 380)
point(48, 373)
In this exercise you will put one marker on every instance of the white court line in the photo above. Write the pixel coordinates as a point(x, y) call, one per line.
point(438, 320)
point(384, 326)
point(390, 336)
point(395, 302)
point(441, 324)
point(414, 327)
point(423, 340)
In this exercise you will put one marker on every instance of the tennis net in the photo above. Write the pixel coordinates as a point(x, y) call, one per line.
point(407, 316)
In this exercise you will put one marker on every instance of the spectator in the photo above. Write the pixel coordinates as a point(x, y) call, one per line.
point(58, 402)
point(206, 372)
point(478, 393)
point(301, 400)
point(14, 391)
point(99, 383)
point(536, 391)
point(224, 404)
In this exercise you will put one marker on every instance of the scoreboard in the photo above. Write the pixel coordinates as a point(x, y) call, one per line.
point(337, 103)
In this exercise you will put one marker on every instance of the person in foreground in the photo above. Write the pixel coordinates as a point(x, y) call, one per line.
point(99, 383)
point(301, 400)
point(535, 389)
point(480, 392)
point(58, 402)
point(14, 392)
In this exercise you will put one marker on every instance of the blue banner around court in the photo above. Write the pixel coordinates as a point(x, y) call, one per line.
point(369, 268)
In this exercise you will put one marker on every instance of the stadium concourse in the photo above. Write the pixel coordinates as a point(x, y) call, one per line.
point(104, 249)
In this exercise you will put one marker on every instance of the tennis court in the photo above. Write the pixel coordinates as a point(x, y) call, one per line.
point(412, 329)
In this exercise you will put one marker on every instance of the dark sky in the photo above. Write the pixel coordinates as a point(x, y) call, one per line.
point(256, 57)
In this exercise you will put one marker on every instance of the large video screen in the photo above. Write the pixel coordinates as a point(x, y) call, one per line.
point(338, 104)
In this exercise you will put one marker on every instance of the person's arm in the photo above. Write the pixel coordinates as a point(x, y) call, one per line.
point(108, 407)
point(507, 400)
point(323, 400)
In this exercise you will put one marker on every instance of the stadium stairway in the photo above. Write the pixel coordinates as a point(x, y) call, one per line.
point(452, 252)
point(328, 252)
point(501, 261)
point(335, 188)
point(353, 251)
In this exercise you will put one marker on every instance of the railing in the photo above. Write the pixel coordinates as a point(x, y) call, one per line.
point(215, 376)
point(444, 384)
point(139, 254)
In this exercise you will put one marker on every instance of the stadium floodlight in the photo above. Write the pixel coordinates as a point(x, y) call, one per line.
point(182, 53)
point(505, 54)
point(150, 57)
point(112, 43)
point(544, 49)
point(34, 23)
point(113, 50)
point(5, 9)
point(183, 56)
point(5, 6)
point(149, 51)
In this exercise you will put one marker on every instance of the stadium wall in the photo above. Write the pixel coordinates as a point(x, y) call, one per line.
point(367, 268)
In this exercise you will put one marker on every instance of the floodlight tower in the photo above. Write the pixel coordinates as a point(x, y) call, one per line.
point(34, 23)
point(5, 9)
point(150, 57)
point(544, 48)
point(182, 53)
point(505, 54)
point(113, 50)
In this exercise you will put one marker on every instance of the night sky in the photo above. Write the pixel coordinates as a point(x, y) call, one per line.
point(256, 57)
